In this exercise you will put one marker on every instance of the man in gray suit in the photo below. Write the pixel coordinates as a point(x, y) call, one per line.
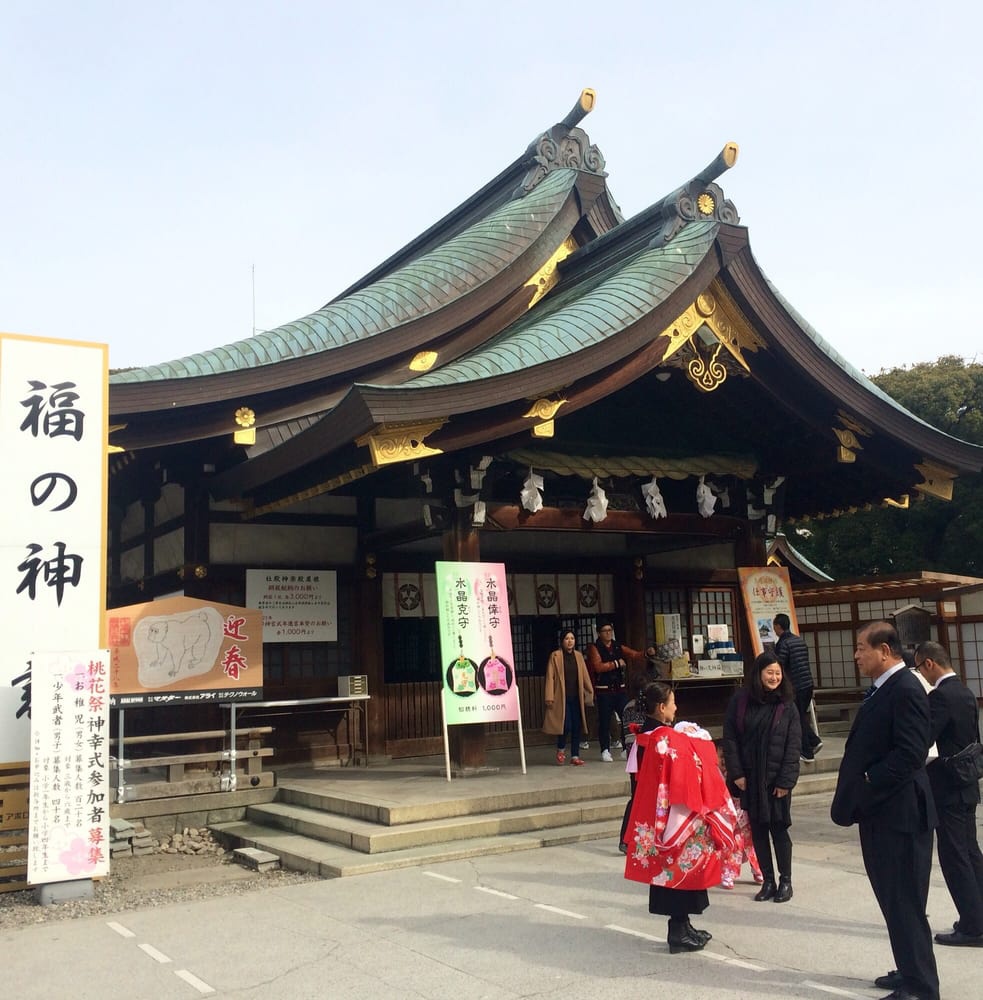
point(955, 724)
point(882, 786)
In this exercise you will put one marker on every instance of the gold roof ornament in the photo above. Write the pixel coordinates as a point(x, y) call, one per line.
point(545, 279)
point(937, 479)
point(400, 442)
point(544, 409)
point(246, 419)
point(713, 321)
point(902, 503)
point(423, 361)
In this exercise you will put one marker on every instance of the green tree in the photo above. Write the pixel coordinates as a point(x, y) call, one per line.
point(944, 536)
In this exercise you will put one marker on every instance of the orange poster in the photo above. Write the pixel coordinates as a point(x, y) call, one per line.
point(767, 592)
point(182, 651)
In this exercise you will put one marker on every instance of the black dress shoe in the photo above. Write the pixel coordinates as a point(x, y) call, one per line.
point(767, 890)
point(892, 981)
point(903, 994)
point(960, 939)
point(704, 936)
point(687, 941)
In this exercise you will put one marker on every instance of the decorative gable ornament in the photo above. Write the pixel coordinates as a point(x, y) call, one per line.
point(705, 500)
point(531, 497)
point(597, 504)
point(654, 503)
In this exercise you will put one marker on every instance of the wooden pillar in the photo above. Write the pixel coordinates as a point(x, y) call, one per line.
point(197, 540)
point(460, 544)
point(368, 619)
point(637, 627)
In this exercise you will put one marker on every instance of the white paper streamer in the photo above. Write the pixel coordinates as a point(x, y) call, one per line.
point(654, 502)
point(530, 496)
point(597, 504)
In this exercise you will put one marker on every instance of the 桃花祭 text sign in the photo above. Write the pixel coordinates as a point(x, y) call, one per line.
point(69, 808)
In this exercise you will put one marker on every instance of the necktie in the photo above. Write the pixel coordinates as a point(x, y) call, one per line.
point(869, 693)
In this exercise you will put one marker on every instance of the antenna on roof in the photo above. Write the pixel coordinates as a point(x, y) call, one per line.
point(254, 299)
point(584, 105)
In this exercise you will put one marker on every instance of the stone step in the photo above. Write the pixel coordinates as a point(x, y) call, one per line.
point(335, 861)
point(373, 838)
point(387, 812)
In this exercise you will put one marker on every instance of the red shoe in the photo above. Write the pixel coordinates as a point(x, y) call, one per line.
point(576, 761)
point(561, 757)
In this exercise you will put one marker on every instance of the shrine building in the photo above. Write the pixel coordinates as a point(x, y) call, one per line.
point(622, 411)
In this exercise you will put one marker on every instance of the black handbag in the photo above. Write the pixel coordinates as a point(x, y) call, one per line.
point(965, 767)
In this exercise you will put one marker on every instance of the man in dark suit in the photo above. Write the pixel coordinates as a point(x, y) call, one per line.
point(955, 724)
point(882, 786)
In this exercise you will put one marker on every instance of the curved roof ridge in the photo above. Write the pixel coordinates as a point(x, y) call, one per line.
point(854, 373)
point(616, 298)
point(421, 286)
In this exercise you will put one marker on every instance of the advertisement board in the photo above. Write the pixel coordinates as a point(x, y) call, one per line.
point(767, 592)
point(478, 678)
point(183, 651)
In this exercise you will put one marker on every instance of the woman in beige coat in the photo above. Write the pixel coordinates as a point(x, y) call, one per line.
point(568, 691)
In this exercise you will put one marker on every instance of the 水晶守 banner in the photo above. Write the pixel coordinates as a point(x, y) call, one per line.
point(479, 683)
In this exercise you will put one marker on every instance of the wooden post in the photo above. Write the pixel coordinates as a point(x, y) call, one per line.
point(368, 614)
point(460, 544)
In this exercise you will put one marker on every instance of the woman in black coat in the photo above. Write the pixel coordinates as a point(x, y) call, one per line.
point(762, 743)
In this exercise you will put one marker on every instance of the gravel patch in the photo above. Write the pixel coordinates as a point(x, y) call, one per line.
point(168, 875)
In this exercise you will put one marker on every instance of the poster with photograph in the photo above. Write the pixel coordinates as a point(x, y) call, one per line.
point(767, 592)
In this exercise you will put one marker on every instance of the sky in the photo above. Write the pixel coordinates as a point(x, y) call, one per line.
point(177, 175)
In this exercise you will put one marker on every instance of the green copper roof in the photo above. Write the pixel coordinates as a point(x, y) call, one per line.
point(452, 270)
point(563, 325)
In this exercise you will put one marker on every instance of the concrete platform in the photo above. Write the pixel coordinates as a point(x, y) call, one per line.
point(350, 821)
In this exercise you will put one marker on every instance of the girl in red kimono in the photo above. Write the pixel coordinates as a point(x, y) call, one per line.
point(682, 821)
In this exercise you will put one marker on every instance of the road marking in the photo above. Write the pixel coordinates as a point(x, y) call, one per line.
point(495, 892)
point(638, 934)
point(832, 989)
point(746, 965)
point(194, 981)
point(157, 956)
point(443, 878)
point(120, 929)
point(562, 913)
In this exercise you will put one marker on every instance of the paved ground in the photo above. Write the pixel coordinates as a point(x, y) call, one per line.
point(556, 923)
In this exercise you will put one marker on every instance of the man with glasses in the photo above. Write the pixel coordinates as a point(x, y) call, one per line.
point(955, 724)
point(608, 662)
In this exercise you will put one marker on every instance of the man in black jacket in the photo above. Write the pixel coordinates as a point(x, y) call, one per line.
point(793, 655)
point(955, 724)
point(883, 788)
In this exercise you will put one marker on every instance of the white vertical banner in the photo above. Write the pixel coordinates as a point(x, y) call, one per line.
point(53, 438)
point(68, 832)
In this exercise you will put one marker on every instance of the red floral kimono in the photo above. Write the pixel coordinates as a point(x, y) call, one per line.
point(682, 820)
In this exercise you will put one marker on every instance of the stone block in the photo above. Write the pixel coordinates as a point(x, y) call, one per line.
point(253, 857)
point(63, 892)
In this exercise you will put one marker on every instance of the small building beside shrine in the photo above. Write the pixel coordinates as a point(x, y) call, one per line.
point(621, 411)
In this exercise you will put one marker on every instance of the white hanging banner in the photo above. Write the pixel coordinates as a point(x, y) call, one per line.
point(53, 438)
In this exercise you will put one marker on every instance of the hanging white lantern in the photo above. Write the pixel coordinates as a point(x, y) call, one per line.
point(654, 502)
point(532, 499)
point(597, 504)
